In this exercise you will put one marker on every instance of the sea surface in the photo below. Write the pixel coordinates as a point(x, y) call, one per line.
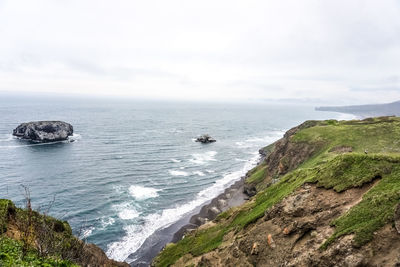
point(133, 167)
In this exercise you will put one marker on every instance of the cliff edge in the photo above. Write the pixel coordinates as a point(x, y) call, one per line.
point(326, 194)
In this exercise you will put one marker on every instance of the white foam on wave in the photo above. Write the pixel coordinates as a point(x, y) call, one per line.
point(203, 157)
point(119, 189)
point(178, 173)
point(75, 137)
point(272, 137)
point(241, 144)
point(199, 173)
point(141, 192)
point(126, 211)
point(36, 144)
point(87, 232)
point(176, 160)
point(137, 234)
point(105, 222)
point(128, 214)
point(260, 141)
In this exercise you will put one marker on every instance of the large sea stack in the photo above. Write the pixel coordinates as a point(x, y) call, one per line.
point(44, 131)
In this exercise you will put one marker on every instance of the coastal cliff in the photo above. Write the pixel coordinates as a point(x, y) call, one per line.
point(326, 194)
point(28, 238)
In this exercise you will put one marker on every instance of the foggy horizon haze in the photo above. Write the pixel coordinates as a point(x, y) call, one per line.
point(331, 52)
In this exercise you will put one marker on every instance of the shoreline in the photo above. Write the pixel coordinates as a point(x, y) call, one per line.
point(232, 196)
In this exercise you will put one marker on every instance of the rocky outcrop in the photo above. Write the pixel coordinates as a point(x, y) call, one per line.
point(92, 255)
point(205, 138)
point(283, 156)
point(44, 131)
point(288, 155)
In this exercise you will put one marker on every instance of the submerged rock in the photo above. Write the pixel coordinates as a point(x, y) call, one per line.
point(205, 138)
point(44, 131)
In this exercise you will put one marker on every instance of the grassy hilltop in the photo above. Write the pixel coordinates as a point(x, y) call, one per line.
point(312, 163)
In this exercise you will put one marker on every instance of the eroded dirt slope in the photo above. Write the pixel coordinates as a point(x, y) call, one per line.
point(292, 232)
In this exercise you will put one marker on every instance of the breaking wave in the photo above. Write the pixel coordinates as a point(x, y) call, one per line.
point(137, 234)
point(141, 192)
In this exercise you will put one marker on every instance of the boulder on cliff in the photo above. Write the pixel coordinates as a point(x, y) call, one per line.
point(44, 131)
point(205, 138)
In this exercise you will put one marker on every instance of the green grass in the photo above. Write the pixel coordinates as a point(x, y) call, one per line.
point(195, 244)
point(376, 137)
point(4, 207)
point(381, 137)
point(55, 237)
point(269, 197)
point(258, 175)
point(11, 256)
point(374, 211)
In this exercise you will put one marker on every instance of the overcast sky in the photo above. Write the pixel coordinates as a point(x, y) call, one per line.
point(333, 51)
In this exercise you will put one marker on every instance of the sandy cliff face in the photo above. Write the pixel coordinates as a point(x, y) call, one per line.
point(326, 194)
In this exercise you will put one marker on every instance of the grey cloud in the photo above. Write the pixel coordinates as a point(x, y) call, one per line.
point(324, 49)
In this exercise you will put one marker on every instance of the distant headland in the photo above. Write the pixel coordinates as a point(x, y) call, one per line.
point(364, 111)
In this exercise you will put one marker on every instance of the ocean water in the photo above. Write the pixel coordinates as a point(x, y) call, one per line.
point(134, 167)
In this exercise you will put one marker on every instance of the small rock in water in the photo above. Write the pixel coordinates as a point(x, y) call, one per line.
point(44, 131)
point(205, 138)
